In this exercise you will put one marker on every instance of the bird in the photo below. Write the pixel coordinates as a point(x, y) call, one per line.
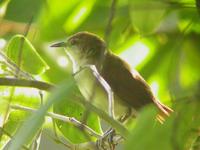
point(95, 65)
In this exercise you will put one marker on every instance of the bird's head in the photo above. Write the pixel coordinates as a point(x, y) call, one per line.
point(84, 48)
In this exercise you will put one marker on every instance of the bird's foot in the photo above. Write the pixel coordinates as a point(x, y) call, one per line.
point(109, 140)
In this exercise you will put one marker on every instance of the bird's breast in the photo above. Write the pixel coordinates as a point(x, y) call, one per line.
point(93, 91)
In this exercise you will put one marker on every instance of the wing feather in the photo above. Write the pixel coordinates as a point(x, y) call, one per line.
point(127, 84)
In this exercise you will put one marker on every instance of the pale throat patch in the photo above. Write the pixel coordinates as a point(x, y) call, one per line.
point(75, 65)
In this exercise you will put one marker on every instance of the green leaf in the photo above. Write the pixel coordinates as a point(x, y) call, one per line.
point(57, 12)
point(3, 7)
point(22, 96)
point(189, 69)
point(146, 15)
point(23, 11)
point(16, 118)
point(78, 16)
point(147, 133)
point(69, 107)
point(30, 127)
point(20, 50)
point(178, 132)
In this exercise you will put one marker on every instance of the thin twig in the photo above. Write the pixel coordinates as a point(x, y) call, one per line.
point(102, 58)
point(71, 120)
point(26, 83)
point(14, 67)
point(110, 19)
point(17, 73)
point(22, 42)
point(106, 35)
point(101, 113)
point(7, 26)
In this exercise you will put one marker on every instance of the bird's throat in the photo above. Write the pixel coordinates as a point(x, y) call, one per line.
point(75, 66)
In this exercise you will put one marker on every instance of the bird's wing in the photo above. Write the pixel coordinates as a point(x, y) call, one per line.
point(127, 84)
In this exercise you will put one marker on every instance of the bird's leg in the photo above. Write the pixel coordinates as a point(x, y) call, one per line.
point(104, 84)
point(128, 114)
point(107, 140)
point(110, 136)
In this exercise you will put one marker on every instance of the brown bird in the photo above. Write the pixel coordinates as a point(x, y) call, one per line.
point(104, 70)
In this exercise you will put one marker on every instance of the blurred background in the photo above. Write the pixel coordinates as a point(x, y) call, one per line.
point(159, 38)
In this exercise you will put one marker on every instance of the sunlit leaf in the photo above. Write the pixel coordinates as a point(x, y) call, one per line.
point(34, 123)
point(78, 15)
point(68, 107)
point(51, 17)
point(3, 7)
point(190, 63)
point(22, 96)
point(171, 67)
point(16, 118)
point(22, 52)
point(178, 132)
point(149, 140)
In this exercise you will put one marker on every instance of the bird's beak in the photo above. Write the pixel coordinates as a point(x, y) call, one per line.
point(60, 44)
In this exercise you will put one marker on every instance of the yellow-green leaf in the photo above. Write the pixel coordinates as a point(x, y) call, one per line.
point(22, 52)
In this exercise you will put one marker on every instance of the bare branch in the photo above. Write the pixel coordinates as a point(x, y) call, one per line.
point(14, 67)
point(26, 83)
point(71, 120)
point(7, 26)
point(110, 19)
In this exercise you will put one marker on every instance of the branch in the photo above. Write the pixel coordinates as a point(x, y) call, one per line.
point(110, 19)
point(14, 67)
point(26, 83)
point(7, 26)
point(71, 120)
point(47, 87)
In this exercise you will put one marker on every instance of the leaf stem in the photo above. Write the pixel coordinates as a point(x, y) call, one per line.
point(71, 120)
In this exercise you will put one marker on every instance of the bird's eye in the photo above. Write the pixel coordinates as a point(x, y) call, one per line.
point(73, 41)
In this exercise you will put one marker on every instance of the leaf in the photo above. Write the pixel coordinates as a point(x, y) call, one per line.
point(80, 13)
point(57, 12)
point(23, 11)
point(30, 127)
point(30, 60)
point(16, 118)
point(69, 107)
point(178, 132)
point(146, 15)
point(189, 68)
point(3, 7)
point(22, 96)
point(198, 6)
point(141, 139)
point(161, 55)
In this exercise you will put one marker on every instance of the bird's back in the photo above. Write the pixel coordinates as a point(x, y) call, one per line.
point(128, 85)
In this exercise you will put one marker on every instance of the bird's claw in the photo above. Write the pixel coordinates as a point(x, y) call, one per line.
point(107, 142)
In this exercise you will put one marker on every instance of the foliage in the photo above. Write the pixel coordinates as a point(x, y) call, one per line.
point(160, 38)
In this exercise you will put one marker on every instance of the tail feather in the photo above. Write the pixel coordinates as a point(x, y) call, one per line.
point(164, 111)
point(168, 110)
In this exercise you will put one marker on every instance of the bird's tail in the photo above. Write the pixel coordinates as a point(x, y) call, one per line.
point(164, 111)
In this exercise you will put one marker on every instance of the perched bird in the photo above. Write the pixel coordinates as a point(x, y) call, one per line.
point(105, 71)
